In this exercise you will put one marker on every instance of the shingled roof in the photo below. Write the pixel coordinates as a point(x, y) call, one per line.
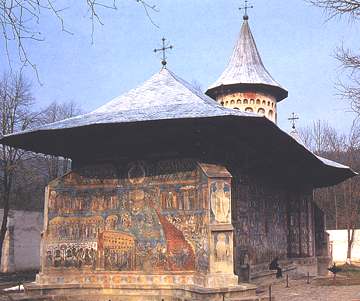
point(163, 96)
point(246, 67)
point(166, 114)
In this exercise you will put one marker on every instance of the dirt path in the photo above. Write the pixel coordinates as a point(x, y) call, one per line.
point(301, 291)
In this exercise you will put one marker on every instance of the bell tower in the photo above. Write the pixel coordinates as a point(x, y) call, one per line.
point(245, 84)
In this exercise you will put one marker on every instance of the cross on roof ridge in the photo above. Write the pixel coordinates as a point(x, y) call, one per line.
point(163, 49)
point(246, 7)
point(293, 119)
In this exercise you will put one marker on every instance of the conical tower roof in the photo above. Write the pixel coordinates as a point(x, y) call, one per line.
point(246, 68)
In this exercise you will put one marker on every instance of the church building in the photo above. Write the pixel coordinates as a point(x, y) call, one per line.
point(176, 195)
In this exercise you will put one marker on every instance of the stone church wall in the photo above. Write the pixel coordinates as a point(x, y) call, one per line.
point(170, 217)
point(269, 222)
point(155, 219)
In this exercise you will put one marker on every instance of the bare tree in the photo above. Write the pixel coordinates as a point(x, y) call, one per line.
point(56, 111)
point(350, 88)
point(339, 7)
point(18, 167)
point(305, 134)
point(317, 136)
point(16, 114)
point(351, 188)
point(349, 59)
point(351, 209)
point(20, 19)
point(341, 203)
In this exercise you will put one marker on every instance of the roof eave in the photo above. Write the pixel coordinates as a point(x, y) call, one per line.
point(82, 140)
point(278, 92)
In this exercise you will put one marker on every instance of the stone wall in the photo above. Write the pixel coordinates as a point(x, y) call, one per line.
point(21, 249)
point(270, 222)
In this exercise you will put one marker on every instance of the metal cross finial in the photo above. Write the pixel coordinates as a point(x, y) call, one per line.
point(293, 119)
point(163, 49)
point(246, 7)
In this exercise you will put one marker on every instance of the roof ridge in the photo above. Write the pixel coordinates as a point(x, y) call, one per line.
point(195, 91)
point(198, 102)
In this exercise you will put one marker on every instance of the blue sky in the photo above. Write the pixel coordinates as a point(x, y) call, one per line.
point(294, 39)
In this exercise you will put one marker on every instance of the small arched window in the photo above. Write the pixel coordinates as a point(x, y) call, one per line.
point(269, 103)
point(264, 103)
point(246, 101)
point(222, 103)
point(271, 114)
point(252, 101)
point(261, 111)
point(232, 101)
point(227, 102)
point(272, 104)
point(258, 101)
point(238, 101)
point(248, 109)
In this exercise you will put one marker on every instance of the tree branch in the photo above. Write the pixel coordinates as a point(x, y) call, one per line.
point(19, 20)
point(334, 8)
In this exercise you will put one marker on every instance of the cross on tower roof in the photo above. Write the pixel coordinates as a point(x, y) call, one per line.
point(163, 49)
point(246, 7)
point(293, 119)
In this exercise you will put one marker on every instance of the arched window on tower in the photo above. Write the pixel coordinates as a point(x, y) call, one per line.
point(232, 101)
point(248, 109)
point(227, 102)
point(258, 101)
point(264, 103)
point(238, 101)
point(222, 103)
point(246, 101)
point(252, 101)
point(271, 114)
point(269, 103)
point(261, 112)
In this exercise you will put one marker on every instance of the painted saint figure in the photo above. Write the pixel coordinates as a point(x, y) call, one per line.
point(222, 248)
point(220, 202)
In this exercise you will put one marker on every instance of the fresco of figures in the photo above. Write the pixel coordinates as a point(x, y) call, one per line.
point(269, 223)
point(141, 216)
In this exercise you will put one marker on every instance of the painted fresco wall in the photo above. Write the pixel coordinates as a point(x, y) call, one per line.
point(172, 216)
point(269, 222)
point(151, 217)
point(143, 217)
point(301, 240)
